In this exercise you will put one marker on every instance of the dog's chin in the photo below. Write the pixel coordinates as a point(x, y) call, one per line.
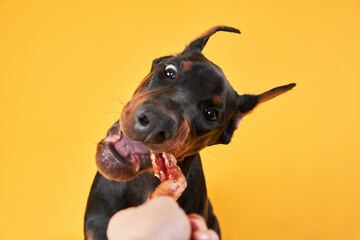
point(119, 158)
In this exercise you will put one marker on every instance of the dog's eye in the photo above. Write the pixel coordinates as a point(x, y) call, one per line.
point(170, 71)
point(211, 114)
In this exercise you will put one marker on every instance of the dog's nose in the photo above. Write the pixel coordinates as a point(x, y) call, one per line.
point(152, 125)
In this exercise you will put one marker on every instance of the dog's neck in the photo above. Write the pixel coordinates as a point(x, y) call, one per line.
point(186, 163)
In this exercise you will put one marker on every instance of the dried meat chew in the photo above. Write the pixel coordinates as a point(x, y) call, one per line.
point(173, 182)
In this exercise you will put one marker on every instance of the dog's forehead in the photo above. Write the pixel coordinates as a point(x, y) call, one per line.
point(196, 80)
point(200, 74)
point(206, 78)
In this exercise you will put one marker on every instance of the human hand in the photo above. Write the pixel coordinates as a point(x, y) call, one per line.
point(158, 219)
point(199, 230)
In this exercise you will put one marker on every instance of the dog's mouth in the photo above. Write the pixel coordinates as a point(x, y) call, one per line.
point(119, 158)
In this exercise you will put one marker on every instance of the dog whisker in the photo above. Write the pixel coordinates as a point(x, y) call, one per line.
point(120, 99)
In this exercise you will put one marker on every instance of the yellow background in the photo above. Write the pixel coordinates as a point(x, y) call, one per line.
point(292, 170)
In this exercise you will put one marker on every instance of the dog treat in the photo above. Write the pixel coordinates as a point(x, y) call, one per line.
point(173, 182)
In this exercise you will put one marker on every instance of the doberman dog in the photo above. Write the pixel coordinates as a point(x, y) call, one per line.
point(183, 105)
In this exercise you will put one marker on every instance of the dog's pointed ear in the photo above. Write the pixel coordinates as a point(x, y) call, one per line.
point(198, 44)
point(245, 104)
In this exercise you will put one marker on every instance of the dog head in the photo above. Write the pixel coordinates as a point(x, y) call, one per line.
point(183, 105)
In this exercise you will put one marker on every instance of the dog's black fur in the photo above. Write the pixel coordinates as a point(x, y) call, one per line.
point(179, 109)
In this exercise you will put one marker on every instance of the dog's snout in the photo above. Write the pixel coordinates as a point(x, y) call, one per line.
point(154, 126)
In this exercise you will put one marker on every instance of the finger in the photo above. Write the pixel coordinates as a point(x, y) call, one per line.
point(205, 235)
point(197, 223)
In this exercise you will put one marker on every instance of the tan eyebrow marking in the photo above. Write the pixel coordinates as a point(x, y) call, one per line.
point(217, 100)
point(186, 66)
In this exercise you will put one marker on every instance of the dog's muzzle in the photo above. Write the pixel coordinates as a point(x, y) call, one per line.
point(120, 158)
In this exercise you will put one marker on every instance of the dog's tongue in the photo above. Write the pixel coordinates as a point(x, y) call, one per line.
point(173, 182)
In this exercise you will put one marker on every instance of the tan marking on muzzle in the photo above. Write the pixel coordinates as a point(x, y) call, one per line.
point(176, 145)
